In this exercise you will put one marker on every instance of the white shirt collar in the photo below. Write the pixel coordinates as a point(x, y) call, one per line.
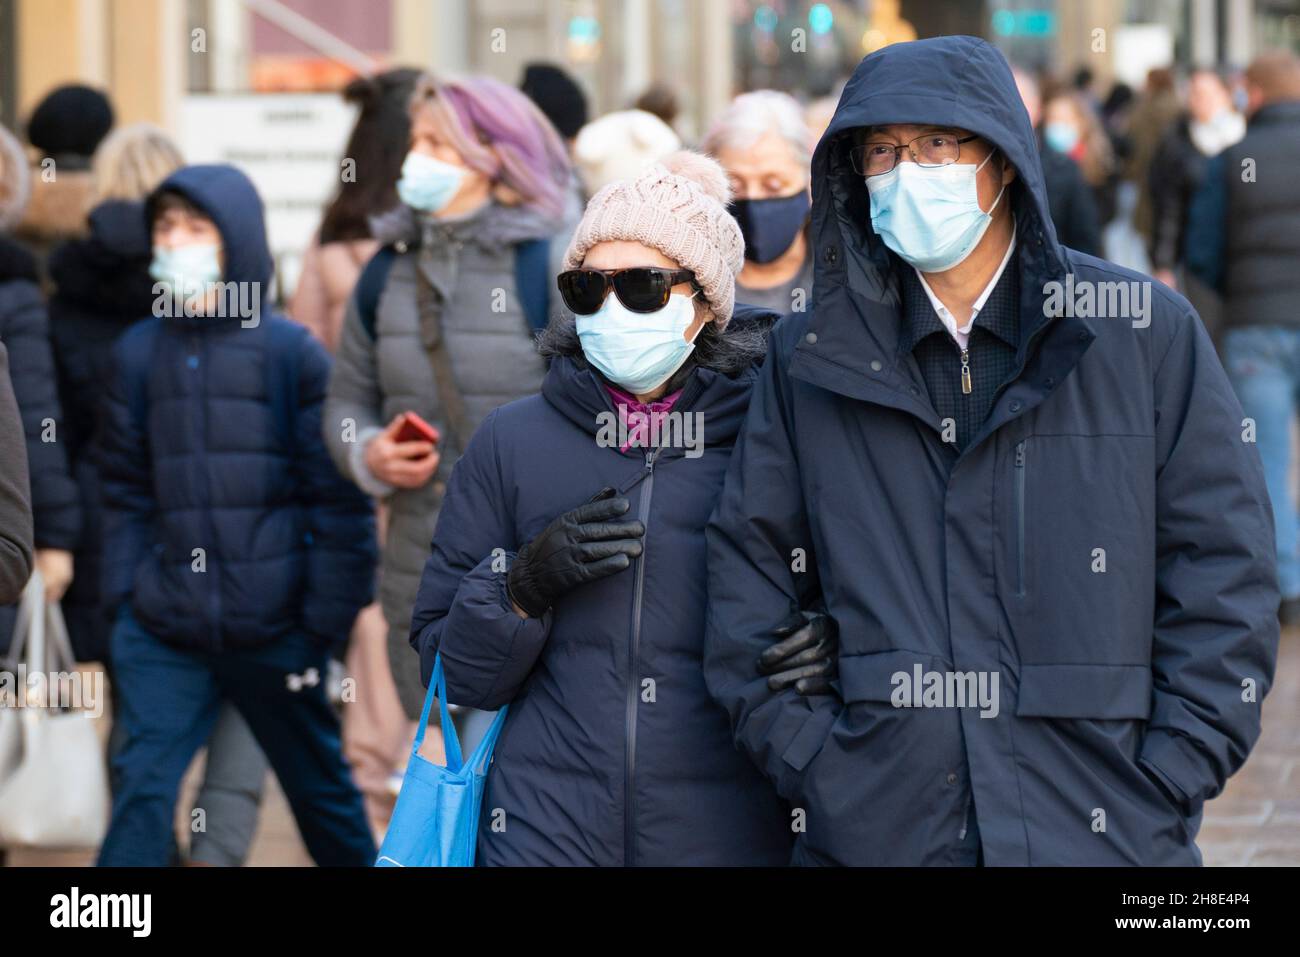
point(962, 335)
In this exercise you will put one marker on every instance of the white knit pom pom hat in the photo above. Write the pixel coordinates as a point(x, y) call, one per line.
point(678, 206)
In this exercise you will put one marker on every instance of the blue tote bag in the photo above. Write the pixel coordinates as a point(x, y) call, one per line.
point(435, 822)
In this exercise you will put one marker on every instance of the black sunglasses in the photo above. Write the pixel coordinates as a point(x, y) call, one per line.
point(640, 288)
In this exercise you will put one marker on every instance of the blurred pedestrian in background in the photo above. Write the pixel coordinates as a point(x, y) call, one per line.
point(619, 145)
point(64, 129)
point(376, 729)
point(344, 243)
point(1243, 239)
point(1073, 129)
point(762, 143)
point(562, 101)
point(1116, 117)
point(1209, 126)
point(441, 322)
point(100, 286)
point(661, 100)
point(25, 332)
point(1073, 207)
point(1155, 110)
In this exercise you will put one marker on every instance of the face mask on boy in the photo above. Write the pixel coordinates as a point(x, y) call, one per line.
point(638, 351)
point(186, 270)
point(428, 184)
point(930, 215)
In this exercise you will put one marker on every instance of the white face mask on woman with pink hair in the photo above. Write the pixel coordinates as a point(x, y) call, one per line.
point(427, 183)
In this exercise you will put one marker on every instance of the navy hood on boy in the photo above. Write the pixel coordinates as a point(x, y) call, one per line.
point(230, 200)
point(1095, 567)
point(226, 522)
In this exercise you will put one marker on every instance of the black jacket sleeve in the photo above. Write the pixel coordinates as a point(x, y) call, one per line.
point(56, 506)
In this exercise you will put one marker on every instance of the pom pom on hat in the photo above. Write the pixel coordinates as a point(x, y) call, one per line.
point(677, 205)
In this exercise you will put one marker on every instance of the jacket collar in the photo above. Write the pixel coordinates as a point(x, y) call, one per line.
point(998, 315)
point(853, 339)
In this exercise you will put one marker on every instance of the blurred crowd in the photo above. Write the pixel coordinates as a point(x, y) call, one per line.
point(93, 215)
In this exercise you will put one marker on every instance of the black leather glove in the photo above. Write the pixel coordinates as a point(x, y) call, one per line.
point(580, 546)
point(805, 654)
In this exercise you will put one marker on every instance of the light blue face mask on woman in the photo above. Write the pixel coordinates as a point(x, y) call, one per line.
point(930, 215)
point(428, 184)
point(638, 351)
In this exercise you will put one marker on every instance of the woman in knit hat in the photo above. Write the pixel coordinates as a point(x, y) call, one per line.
point(64, 131)
point(567, 573)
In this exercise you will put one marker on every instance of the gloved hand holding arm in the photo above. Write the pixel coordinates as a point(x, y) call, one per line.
point(804, 655)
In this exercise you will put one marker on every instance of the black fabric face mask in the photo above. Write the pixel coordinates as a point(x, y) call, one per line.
point(770, 225)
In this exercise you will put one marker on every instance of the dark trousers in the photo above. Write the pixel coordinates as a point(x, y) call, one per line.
point(169, 702)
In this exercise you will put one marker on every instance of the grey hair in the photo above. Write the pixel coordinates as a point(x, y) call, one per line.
point(751, 115)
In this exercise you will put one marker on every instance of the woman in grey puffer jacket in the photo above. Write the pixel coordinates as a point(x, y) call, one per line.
point(463, 264)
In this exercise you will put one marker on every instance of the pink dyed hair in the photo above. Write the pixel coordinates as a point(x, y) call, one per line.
point(498, 131)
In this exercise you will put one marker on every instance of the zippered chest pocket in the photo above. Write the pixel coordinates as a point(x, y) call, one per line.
point(1079, 555)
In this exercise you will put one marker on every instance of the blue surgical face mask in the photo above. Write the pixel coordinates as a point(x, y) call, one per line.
point(637, 351)
point(186, 270)
point(428, 184)
point(930, 215)
point(1061, 137)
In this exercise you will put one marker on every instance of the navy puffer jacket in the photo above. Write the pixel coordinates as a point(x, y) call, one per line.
point(613, 753)
point(213, 442)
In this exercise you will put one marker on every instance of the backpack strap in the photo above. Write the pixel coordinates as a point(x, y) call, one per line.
point(533, 280)
point(370, 286)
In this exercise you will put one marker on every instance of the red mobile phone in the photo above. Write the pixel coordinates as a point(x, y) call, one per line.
point(415, 429)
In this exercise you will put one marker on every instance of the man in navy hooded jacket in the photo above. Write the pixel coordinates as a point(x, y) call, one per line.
point(1019, 481)
point(235, 554)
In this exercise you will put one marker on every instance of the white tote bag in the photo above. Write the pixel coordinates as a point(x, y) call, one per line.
point(56, 793)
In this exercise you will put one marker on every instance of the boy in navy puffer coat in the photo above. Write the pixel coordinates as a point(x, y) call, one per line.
point(235, 555)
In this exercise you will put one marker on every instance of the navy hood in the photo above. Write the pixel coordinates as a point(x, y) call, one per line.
point(230, 200)
point(107, 272)
point(957, 81)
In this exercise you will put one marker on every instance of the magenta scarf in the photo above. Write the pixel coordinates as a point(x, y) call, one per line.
point(639, 420)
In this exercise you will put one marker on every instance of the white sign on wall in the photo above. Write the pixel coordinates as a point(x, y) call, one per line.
point(290, 145)
point(1140, 47)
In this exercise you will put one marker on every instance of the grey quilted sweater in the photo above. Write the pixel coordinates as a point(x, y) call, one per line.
point(471, 263)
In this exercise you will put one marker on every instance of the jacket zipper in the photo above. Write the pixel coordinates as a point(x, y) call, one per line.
point(633, 685)
point(1020, 519)
point(965, 372)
